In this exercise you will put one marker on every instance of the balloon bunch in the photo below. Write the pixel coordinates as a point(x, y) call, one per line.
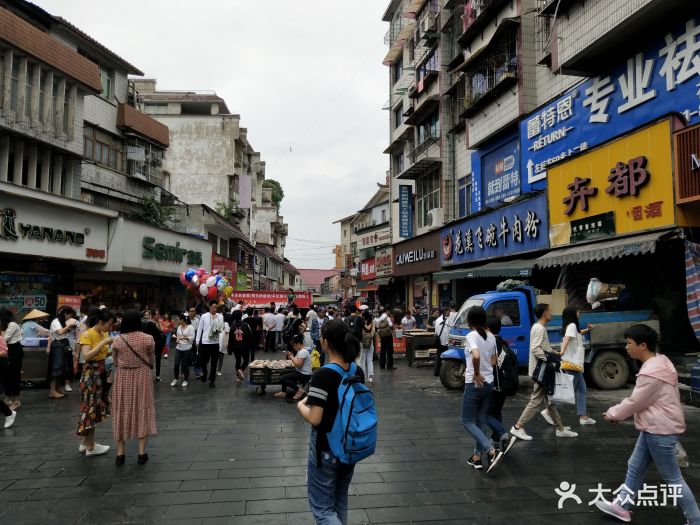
point(209, 285)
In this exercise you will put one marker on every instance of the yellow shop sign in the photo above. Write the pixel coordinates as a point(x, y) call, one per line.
point(623, 187)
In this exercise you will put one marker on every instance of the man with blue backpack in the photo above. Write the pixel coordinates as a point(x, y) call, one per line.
point(343, 416)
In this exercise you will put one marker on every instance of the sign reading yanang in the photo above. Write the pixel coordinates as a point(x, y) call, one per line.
point(661, 79)
point(520, 227)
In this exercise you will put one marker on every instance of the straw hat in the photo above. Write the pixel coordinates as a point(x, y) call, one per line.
point(34, 314)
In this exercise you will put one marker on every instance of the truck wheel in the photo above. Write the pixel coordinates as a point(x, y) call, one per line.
point(610, 370)
point(452, 374)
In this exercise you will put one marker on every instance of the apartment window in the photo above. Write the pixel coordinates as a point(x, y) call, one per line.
point(427, 196)
point(106, 80)
point(397, 70)
point(65, 108)
point(28, 90)
point(103, 148)
point(383, 216)
point(431, 64)
point(430, 129)
point(223, 247)
point(398, 163)
point(54, 102)
point(464, 196)
point(14, 84)
point(398, 116)
point(144, 160)
point(42, 93)
point(156, 109)
point(494, 66)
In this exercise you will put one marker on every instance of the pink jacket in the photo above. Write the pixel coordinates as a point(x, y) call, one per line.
point(655, 401)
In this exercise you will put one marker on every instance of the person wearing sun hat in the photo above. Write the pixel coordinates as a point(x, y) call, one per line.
point(31, 328)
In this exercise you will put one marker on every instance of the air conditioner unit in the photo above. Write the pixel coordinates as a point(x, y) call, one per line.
point(436, 217)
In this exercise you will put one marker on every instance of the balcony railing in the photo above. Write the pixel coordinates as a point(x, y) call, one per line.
point(477, 14)
point(423, 147)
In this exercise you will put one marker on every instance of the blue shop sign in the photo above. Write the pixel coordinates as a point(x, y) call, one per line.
point(405, 211)
point(520, 227)
point(662, 79)
point(501, 172)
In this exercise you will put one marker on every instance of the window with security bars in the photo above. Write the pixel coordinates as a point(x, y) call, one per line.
point(492, 68)
point(144, 160)
point(103, 148)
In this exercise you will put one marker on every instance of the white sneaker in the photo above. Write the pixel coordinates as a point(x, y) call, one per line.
point(82, 448)
point(566, 433)
point(10, 420)
point(97, 450)
point(218, 373)
point(588, 421)
point(520, 433)
point(370, 379)
point(547, 417)
point(184, 384)
point(173, 382)
point(67, 388)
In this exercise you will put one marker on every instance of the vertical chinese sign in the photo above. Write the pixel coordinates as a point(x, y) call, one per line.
point(623, 187)
point(405, 211)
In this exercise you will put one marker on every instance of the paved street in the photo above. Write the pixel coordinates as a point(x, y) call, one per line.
point(230, 456)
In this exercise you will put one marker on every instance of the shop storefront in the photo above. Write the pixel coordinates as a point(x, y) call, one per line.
point(383, 267)
point(365, 285)
point(414, 262)
point(44, 241)
point(143, 267)
point(483, 246)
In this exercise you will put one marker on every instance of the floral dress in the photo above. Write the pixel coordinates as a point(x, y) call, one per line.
point(93, 405)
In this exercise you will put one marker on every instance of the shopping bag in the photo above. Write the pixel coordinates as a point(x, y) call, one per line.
point(563, 389)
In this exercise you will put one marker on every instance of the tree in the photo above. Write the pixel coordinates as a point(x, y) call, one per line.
point(152, 212)
point(277, 191)
point(229, 210)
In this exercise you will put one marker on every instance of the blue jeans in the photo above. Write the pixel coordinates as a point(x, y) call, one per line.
point(580, 391)
point(661, 450)
point(475, 406)
point(328, 486)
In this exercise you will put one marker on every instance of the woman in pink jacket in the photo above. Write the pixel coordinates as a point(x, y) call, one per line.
point(658, 415)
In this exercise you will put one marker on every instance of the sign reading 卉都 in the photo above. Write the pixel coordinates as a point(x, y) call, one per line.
point(622, 187)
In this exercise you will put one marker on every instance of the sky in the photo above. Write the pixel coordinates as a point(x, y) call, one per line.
point(306, 77)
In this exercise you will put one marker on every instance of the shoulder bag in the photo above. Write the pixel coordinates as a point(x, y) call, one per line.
point(150, 365)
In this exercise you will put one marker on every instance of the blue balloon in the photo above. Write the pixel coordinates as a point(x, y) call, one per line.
point(189, 274)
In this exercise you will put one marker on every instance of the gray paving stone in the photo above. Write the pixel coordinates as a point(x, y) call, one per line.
point(215, 484)
point(272, 493)
point(203, 510)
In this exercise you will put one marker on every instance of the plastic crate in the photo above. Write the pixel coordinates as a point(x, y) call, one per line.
point(275, 373)
point(259, 376)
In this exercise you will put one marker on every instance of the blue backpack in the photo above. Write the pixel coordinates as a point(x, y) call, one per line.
point(354, 433)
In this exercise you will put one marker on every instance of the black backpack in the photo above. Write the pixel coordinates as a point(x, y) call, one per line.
point(507, 373)
point(238, 337)
point(354, 324)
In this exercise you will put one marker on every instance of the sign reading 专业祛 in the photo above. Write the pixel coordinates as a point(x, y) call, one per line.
point(623, 187)
point(661, 79)
point(46, 230)
point(520, 227)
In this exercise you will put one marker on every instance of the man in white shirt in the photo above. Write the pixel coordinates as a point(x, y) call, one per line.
point(408, 322)
point(280, 318)
point(268, 320)
point(443, 325)
point(211, 325)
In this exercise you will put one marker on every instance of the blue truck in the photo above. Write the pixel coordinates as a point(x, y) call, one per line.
point(606, 363)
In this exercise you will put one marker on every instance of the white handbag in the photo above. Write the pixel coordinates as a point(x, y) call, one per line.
point(563, 389)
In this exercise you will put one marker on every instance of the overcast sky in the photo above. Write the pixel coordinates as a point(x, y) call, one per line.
point(302, 75)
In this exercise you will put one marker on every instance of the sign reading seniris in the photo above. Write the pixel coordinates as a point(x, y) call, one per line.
point(520, 227)
point(659, 80)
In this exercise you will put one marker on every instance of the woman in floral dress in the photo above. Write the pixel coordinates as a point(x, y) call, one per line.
point(133, 406)
point(94, 346)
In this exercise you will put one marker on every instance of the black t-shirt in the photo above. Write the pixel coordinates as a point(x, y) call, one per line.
point(323, 392)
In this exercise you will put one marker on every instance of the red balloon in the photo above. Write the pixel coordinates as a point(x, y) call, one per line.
point(183, 279)
point(212, 292)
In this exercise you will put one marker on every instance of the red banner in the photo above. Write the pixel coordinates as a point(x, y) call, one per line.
point(227, 267)
point(263, 298)
point(73, 301)
point(368, 269)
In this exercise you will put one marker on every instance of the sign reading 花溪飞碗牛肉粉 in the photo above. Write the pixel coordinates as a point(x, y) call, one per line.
point(660, 79)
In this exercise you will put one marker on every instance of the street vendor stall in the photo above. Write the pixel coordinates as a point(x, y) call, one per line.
point(265, 372)
point(420, 346)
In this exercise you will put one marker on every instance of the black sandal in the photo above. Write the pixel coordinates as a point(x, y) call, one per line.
point(143, 458)
point(121, 460)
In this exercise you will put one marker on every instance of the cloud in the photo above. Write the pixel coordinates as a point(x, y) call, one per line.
point(282, 66)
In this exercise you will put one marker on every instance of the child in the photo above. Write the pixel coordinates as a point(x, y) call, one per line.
point(658, 415)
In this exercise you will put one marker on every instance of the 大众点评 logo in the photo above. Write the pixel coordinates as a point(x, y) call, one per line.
point(7, 224)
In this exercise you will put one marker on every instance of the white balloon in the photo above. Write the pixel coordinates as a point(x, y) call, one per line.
point(194, 281)
point(211, 281)
point(203, 289)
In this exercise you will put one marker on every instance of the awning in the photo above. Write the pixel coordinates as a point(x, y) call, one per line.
point(602, 251)
point(514, 268)
point(381, 281)
point(368, 288)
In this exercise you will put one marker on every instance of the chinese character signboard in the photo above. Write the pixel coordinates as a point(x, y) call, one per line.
point(263, 298)
point(623, 187)
point(660, 80)
point(520, 227)
point(338, 251)
point(373, 238)
point(382, 262)
point(405, 211)
point(501, 174)
point(367, 269)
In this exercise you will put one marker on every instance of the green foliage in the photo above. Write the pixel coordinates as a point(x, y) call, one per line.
point(277, 191)
point(153, 212)
point(228, 210)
